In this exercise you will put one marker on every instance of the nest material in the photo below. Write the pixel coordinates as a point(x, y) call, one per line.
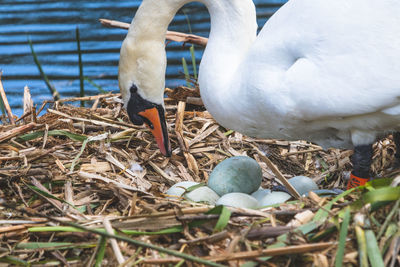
point(91, 166)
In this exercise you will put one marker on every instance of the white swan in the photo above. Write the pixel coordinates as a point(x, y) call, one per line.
point(323, 71)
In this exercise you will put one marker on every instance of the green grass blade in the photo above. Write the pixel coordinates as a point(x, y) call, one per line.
point(323, 213)
point(72, 136)
point(342, 238)
point(186, 72)
point(374, 254)
point(382, 194)
point(34, 135)
point(389, 218)
point(53, 90)
point(44, 245)
point(14, 261)
point(101, 90)
point(48, 195)
point(54, 229)
point(171, 230)
point(53, 245)
point(81, 79)
point(224, 216)
point(187, 21)
point(3, 110)
point(194, 65)
point(101, 251)
point(78, 155)
point(362, 247)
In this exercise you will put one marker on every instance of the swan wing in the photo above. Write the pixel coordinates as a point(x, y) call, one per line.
point(334, 58)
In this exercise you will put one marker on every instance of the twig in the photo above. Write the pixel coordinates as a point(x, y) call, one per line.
point(185, 256)
point(171, 35)
point(277, 173)
point(87, 98)
point(303, 152)
point(17, 131)
point(28, 104)
point(5, 102)
point(300, 249)
point(114, 244)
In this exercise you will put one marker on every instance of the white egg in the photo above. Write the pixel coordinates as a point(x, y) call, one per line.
point(202, 194)
point(303, 184)
point(276, 197)
point(260, 193)
point(238, 200)
point(179, 188)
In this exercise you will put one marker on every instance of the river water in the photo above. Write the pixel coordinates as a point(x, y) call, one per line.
point(51, 27)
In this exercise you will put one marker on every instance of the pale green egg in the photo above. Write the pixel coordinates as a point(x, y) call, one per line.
point(303, 184)
point(276, 197)
point(236, 174)
point(202, 194)
point(260, 193)
point(178, 189)
point(238, 200)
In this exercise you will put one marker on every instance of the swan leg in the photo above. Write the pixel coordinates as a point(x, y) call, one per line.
point(396, 139)
point(361, 160)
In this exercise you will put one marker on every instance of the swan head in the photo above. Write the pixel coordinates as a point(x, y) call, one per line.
point(141, 78)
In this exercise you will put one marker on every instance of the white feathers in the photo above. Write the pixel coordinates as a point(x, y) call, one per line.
point(319, 70)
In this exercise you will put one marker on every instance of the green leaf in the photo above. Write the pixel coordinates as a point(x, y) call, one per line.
point(81, 79)
point(374, 254)
point(193, 61)
point(322, 214)
point(362, 246)
point(31, 136)
point(52, 245)
point(101, 251)
point(342, 238)
point(52, 89)
point(186, 72)
point(382, 182)
point(37, 245)
point(224, 216)
point(34, 135)
point(14, 261)
point(171, 230)
point(382, 194)
point(54, 229)
point(193, 187)
point(278, 244)
point(79, 155)
point(72, 136)
point(101, 90)
point(3, 110)
point(48, 195)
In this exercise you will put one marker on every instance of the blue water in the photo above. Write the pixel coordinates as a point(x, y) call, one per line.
point(51, 26)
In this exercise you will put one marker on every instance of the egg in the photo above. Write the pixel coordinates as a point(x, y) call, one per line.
point(179, 188)
point(303, 184)
point(236, 174)
point(238, 200)
point(276, 197)
point(202, 194)
point(260, 193)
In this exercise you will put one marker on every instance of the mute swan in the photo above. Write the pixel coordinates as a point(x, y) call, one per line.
point(323, 71)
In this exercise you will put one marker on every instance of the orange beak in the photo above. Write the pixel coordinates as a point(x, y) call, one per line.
point(156, 123)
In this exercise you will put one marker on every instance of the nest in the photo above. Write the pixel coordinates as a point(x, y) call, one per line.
point(90, 168)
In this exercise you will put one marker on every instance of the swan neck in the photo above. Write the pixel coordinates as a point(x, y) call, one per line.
point(153, 17)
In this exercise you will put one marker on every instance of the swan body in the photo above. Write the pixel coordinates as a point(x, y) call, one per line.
point(323, 71)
